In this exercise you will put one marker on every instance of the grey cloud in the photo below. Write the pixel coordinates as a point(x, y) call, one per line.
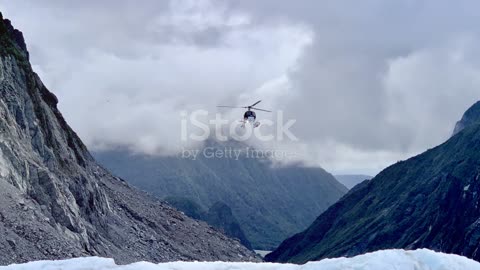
point(341, 77)
point(369, 82)
point(124, 73)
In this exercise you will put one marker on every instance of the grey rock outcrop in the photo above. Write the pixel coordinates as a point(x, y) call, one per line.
point(57, 202)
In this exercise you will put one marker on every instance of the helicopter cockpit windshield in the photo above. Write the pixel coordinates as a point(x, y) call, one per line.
point(249, 116)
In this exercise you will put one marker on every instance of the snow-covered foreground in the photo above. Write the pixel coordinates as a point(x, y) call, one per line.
point(382, 260)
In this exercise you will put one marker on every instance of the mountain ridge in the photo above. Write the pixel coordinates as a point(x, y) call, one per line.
point(351, 180)
point(269, 202)
point(427, 201)
point(471, 116)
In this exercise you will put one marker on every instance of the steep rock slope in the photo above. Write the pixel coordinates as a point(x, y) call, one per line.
point(56, 202)
point(269, 203)
point(429, 201)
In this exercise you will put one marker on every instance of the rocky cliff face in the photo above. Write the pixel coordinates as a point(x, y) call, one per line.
point(57, 202)
point(429, 201)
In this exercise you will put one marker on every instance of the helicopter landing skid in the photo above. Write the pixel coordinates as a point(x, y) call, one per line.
point(255, 124)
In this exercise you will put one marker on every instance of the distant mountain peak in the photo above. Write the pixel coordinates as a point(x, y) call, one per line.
point(269, 202)
point(470, 117)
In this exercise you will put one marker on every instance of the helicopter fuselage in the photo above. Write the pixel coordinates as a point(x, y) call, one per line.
point(249, 116)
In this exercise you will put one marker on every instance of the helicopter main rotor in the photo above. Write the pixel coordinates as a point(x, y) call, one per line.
point(251, 107)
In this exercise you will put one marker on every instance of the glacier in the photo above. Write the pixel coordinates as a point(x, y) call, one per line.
point(422, 259)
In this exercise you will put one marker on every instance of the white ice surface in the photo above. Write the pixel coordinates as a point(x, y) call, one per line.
point(382, 260)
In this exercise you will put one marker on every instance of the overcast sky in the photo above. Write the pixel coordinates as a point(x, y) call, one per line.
point(369, 82)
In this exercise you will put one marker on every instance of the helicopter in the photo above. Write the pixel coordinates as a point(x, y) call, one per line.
point(249, 116)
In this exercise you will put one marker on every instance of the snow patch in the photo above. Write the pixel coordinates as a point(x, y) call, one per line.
point(422, 259)
point(4, 166)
